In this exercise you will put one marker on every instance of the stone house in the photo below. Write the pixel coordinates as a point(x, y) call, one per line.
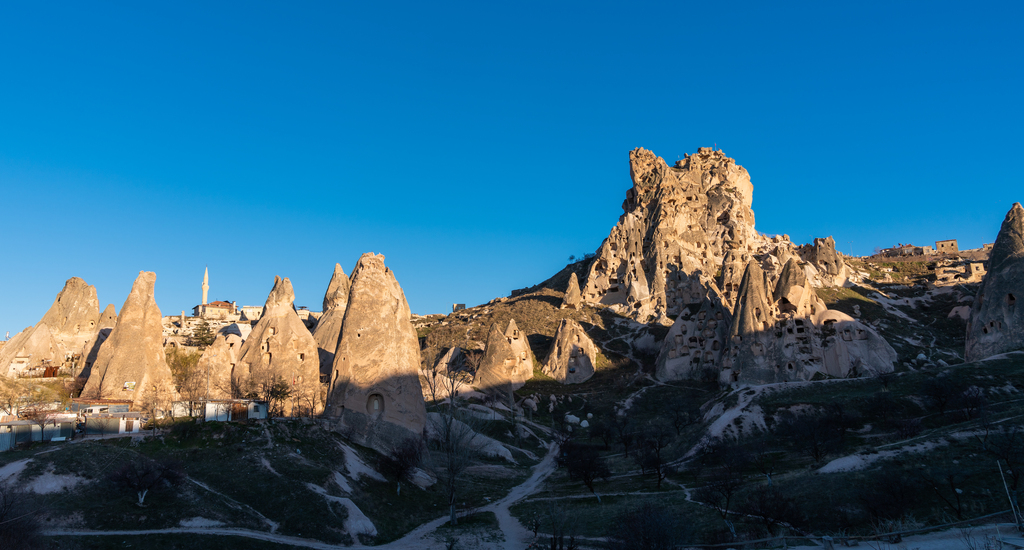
point(947, 247)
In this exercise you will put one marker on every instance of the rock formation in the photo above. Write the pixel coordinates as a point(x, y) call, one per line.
point(679, 223)
point(694, 345)
point(218, 362)
point(573, 354)
point(829, 267)
point(131, 364)
point(507, 359)
point(375, 395)
point(63, 331)
point(787, 334)
point(996, 324)
point(328, 329)
point(280, 348)
point(572, 294)
point(91, 349)
point(686, 229)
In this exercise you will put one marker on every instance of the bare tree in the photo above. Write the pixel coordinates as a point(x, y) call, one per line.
point(584, 463)
point(19, 529)
point(188, 379)
point(646, 526)
point(771, 507)
point(401, 461)
point(454, 438)
point(564, 528)
point(142, 475)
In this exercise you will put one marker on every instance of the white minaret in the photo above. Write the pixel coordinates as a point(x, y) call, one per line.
point(206, 284)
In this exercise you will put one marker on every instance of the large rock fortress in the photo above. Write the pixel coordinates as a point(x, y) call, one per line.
point(63, 331)
point(280, 348)
point(375, 394)
point(997, 318)
point(131, 364)
point(328, 329)
point(679, 223)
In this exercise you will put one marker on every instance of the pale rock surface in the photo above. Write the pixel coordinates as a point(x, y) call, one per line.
point(64, 330)
point(507, 360)
point(572, 297)
point(133, 354)
point(696, 341)
point(217, 363)
point(572, 356)
point(328, 329)
point(279, 348)
point(788, 334)
point(677, 227)
point(91, 349)
point(829, 267)
point(997, 317)
point(375, 395)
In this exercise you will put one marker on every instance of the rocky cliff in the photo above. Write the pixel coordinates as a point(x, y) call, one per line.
point(997, 319)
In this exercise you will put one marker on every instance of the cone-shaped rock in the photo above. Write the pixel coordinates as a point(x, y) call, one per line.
point(217, 363)
point(375, 394)
point(91, 349)
point(572, 294)
point(696, 342)
point(507, 359)
point(794, 293)
point(997, 317)
point(572, 356)
point(131, 363)
point(64, 329)
point(280, 348)
point(328, 329)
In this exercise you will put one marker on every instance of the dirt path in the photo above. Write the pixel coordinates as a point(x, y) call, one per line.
point(516, 536)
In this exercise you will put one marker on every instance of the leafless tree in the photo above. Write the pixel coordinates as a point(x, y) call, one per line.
point(18, 527)
point(454, 438)
point(646, 526)
point(769, 505)
point(142, 475)
point(564, 528)
point(401, 461)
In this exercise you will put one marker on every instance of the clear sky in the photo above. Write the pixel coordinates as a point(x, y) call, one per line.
point(477, 145)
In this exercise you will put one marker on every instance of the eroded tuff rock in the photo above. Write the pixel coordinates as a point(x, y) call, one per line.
point(280, 347)
point(91, 349)
point(572, 294)
point(507, 360)
point(131, 363)
point(328, 329)
point(996, 324)
point(678, 224)
point(787, 334)
point(63, 331)
point(573, 354)
point(217, 363)
point(375, 395)
point(686, 229)
point(829, 267)
point(696, 341)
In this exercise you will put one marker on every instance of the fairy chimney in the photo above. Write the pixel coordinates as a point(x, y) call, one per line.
point(996, 323)
point(375, 395)
point(573, 355)
point(328, 329)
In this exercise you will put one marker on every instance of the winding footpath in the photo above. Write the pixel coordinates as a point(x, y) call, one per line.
point(516, 536)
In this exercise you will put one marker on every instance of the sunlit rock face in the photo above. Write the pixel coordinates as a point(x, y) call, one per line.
point(507, 362)
point(91, 349)
point(63, 331)
point(996, 323)
point(328, 329)
point(572, 298)
point(280, 348)
point(696, 342)
point(678, 225)
point(131, 364)
point(375, 396)
point(573, 355)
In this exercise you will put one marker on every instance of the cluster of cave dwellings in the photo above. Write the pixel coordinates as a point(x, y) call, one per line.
point(703, 346)
point(994, 325)
point(617, 278)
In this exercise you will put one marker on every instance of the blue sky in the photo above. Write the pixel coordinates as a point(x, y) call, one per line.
point(477, 145)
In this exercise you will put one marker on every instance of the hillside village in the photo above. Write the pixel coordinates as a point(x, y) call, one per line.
point(685, 384)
